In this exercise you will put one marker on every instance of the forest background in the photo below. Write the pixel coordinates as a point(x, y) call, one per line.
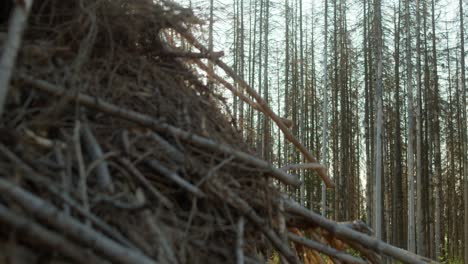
point(376, 90)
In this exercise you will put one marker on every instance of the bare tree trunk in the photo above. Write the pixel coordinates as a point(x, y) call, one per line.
point(325, 109)
point(397, 197)
point(437, 153)
point(210, 37)
point(419, 184)
point(266, 121)
point(379, 121)
point(464, 133)
point(410, 152)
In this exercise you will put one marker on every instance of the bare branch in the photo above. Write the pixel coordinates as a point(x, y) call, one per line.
point(240, 241)
point(149, 122)
point(173, 176)
point(143, 181)
point(16, 27)
point(95, 153)
point(327, 250)
point(346, 233)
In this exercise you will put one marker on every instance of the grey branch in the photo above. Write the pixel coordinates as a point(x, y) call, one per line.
point(95, 153)
point(71, 227)
point(173, 176)
point(12, 46)
point(240, 241)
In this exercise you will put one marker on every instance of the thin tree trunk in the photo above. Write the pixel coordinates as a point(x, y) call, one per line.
point(437, 153)
point(325, 109)
point(397, 225)
point(379, 121)
point(464, 133)
point(410, 152)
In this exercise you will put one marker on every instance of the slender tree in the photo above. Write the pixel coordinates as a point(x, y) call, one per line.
point(379, 120)
point(419, 185)
point(325, 107)
point(410, 126)
point(397, 194)
point(437, 152)
point(464, 132)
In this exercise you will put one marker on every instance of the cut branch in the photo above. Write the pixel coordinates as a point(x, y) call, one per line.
point(160, 127)
point(344, 232)
point(173, 176)
point(11, 47)
point(71, 227)
point(95, 153)
point(240, 241)
point(143, 181)
point(327, 250)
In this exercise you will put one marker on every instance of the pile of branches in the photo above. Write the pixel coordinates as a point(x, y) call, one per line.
point(114, 150)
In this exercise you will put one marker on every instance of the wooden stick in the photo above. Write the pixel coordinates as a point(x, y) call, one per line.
point(282, 231)
point(170, 150)
point(173, 176)
point(83, 180)
point(147, 185)
point(287, 122)
point(16, 27)
point(346, 233)
point(240, 241)
point(160, 127)
point(261, 102)
point(65, 177)
point(95, 152)
point(55, 242)
point(71, 227)
point(229, 86)
point(327, 250)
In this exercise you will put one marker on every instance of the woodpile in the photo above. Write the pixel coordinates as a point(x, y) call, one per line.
point(114, 150)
